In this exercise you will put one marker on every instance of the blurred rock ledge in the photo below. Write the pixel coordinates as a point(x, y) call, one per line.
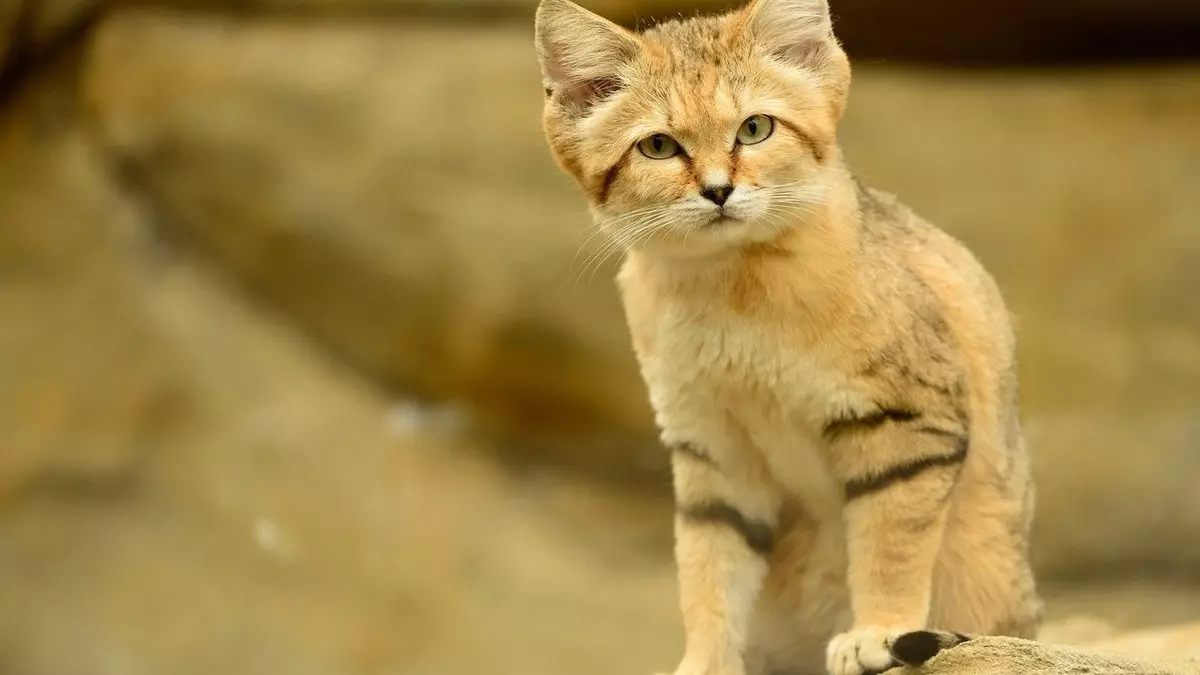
point(35, 31)
point(426, 238)
point(986, 32)
point(475, 11)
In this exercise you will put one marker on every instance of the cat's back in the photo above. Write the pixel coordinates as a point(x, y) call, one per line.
point(940, 265)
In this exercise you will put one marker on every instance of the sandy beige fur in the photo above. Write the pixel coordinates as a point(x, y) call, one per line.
point(834, 376)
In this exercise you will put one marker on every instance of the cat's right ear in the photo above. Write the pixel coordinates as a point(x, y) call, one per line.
point(799, 33)
point(581, 53)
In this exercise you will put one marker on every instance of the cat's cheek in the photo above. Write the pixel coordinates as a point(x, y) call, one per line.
point(660, 186)
point(750, 207)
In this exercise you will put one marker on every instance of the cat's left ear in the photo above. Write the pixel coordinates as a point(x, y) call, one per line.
point(581, 53)
point(799, 33)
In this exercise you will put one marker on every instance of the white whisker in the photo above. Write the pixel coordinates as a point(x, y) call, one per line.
point(653, 220)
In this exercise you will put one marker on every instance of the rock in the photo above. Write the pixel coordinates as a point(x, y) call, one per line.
point(85, 389)
point(990, 32)
point(190, 484)
point(9, 13)
point(938, 31)
point(1021, 32)
point(283, 487)
point(991, 655)
point(481, 12)
point(429, 242)
point(346, 544)
point(32, 29)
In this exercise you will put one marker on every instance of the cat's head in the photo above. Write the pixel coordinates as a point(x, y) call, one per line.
point(697, 134)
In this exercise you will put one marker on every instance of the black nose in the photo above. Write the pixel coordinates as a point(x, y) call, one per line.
point(717, 194)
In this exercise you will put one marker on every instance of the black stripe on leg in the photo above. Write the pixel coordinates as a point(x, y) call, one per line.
point(860, 487)
point(759, 536)
point(841, 426)
point(692, 451)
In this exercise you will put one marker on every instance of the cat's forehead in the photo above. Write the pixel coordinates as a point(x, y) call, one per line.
point(685, 43)
point(695, 73)
point(687, 34)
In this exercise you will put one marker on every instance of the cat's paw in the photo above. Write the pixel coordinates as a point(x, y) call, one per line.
point(866, 651)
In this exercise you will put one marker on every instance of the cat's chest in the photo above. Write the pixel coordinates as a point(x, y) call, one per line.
point(752, 370)
point(715, 378)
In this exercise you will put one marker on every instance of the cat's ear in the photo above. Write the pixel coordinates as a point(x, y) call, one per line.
point(581, 53)
point(800, 34)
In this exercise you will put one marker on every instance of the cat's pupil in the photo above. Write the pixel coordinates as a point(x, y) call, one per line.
point(752, 127)
point(658, 144)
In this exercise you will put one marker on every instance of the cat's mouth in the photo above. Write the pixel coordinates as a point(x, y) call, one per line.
point(722, 219)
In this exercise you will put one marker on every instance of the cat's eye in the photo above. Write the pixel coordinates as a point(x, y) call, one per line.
point(756, 129)
point(658, 146)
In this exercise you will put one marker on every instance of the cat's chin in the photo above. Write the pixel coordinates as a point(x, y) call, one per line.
point(718, 235)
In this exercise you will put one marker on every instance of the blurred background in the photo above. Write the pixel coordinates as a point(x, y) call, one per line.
point(303, 368)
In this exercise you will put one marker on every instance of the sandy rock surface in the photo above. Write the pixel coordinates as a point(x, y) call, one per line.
point(1010, 656)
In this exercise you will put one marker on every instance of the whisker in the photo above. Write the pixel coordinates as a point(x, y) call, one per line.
point(623, 240)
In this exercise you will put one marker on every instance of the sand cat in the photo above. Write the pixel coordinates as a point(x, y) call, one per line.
point(834, 376)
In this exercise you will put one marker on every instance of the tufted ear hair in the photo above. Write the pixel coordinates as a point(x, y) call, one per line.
point(799, 33)
point(581, 53)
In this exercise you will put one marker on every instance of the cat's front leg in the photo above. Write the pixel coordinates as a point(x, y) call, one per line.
point(725, 527)
point(898, 477)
